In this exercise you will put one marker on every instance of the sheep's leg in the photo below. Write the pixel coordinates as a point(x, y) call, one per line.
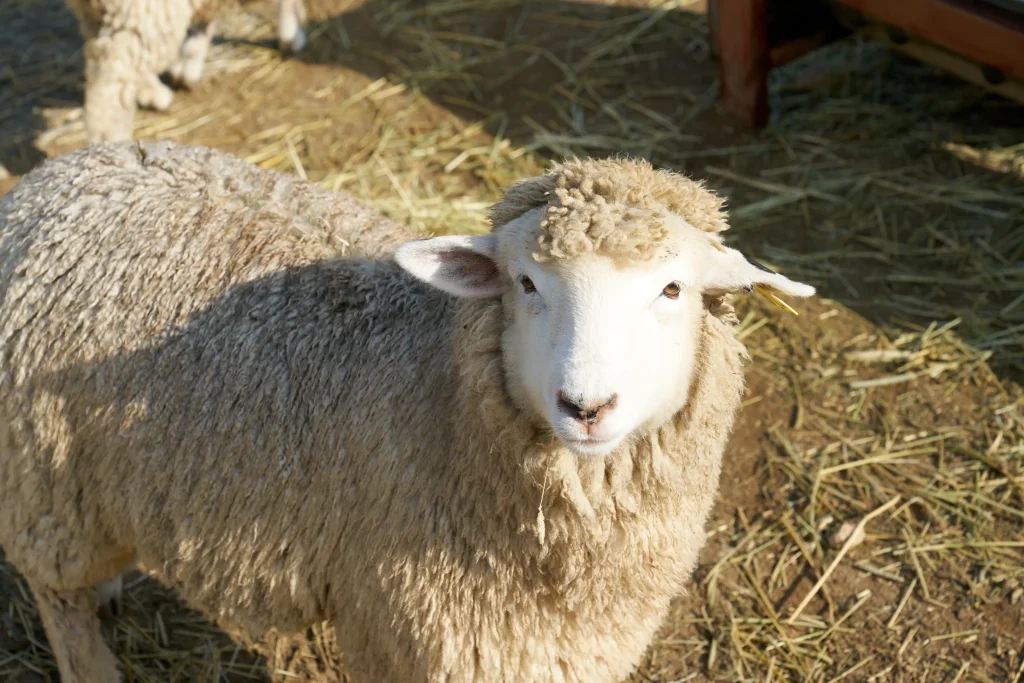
point(111, 85)
point(88, 17)
point(110, 596)
point(187, 71)
point(291, 16)
point(153, 94)
point(73, 629)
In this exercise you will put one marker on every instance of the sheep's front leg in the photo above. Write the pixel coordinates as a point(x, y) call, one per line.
point(111, 86)
point(73, 629)
point(153, 94)
point(187, 71)
point(291, 16)
point(110, 596)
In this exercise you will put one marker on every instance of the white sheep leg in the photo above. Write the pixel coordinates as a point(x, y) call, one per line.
point(110, 595)
point(291, 15)
point(153, 94)
point(73, 630)
point(187, 71)
point(111, 85)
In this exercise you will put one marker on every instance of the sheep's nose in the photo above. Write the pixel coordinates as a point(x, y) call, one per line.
point(587, 413)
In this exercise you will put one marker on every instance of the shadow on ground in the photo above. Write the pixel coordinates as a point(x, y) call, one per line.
point(40, 66)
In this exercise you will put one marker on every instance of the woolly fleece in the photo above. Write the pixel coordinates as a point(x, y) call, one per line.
point(217, 370)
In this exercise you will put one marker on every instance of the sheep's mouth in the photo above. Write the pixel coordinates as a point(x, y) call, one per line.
point(591, 446)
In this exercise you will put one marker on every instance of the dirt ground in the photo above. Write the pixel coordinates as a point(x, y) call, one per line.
point(895, 189)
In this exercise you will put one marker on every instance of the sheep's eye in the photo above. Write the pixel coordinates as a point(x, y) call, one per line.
point(671, 290)
point(527, 284)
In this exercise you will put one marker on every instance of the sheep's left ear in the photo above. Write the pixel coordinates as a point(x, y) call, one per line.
point(457, 264)
point(730, 271)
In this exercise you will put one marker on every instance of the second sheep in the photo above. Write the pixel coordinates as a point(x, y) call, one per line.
point(129, 43)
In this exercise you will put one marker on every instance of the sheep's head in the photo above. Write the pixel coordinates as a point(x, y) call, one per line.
point(603, 268)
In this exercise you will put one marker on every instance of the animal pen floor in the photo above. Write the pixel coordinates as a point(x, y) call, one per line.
point(895, 189)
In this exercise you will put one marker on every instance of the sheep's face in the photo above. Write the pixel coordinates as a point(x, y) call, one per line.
point(600, 349)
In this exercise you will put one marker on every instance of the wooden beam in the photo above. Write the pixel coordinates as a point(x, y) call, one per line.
point(955, 64)
point(974, 29)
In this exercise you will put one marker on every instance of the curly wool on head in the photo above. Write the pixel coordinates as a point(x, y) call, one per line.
point(609, 206)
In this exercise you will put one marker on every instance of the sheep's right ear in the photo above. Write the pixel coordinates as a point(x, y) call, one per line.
point(730, 271)
point(457, 264)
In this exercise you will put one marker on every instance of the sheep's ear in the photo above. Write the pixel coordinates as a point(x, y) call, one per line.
point(730, 271)
point(460, 265)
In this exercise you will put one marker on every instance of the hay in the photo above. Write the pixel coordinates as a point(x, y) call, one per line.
point(950, 485)
point(893, 188)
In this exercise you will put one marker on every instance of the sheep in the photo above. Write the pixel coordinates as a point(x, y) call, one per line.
point(129, 43)
point(483, 458)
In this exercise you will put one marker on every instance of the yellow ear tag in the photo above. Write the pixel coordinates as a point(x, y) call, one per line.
point(766, 292)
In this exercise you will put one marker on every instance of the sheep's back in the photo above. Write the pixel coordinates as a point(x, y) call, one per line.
point(196, 367)
point(149, 233)
point(157, 28)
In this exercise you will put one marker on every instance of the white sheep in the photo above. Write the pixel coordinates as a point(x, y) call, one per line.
point(129, 43)
point(488, 458)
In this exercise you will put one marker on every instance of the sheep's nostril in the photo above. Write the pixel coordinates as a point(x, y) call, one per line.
point(595, 415)
point(570, 408)
point(589, 413)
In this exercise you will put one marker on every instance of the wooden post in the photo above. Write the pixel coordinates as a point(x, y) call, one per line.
point(744, 59)
point(713, 28)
